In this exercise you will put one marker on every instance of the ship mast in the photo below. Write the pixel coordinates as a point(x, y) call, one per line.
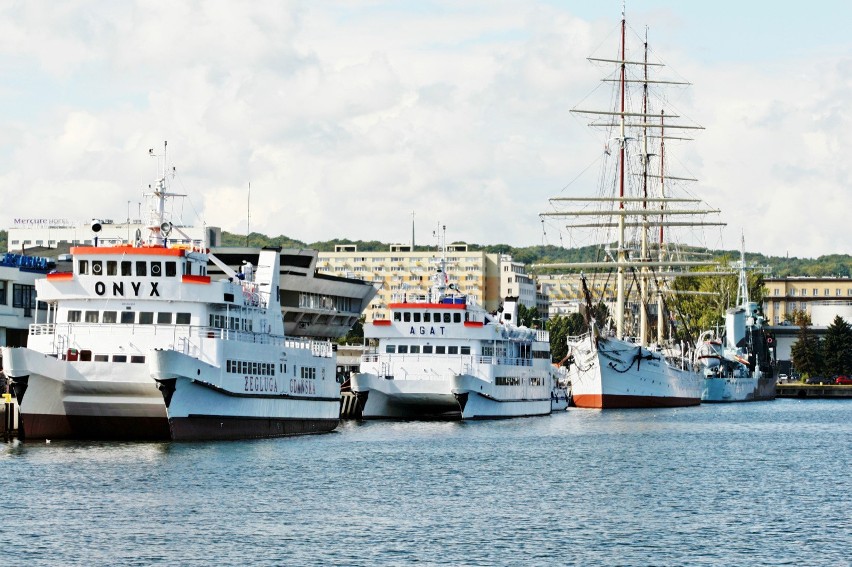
point(662, 249)
point(622, 259)
point(742, 287)
point(646, 157)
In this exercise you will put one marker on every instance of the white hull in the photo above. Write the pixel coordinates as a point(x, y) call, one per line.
point(731, 389)
point(620, 374)
point(206, 402)
point(458, 396)
point(89, 400)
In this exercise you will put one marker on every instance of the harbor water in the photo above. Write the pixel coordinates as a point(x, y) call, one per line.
point(763, 483)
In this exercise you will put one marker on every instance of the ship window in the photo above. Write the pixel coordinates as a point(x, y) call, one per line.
point(83, 267)
point(182, 319)
point(74, 316)
point(126, 268)
point(112, 268)
point(228, 297)
point(109, 317)
point(164, 318)
point(97, 267)
point(171, 269)
point(243, 367)
point(156, 269)
point(417, 317)
point(488, 351)
point(465, 350)
point(440, 349)
point(101, 358)
point(127, 317)
point(397, 316)
point(141, 268)
point(119, 358)
point(403, 349)
point(85, 356)
point(427, 317)
point(415, 349)
point(447, 317)
point(390, 349)
point(253, 368)
point(146, 318)
point(137, 358)
point(427, 349)
point(453, 350)
point(456, 317)
point(406, 317)
point(91, 316)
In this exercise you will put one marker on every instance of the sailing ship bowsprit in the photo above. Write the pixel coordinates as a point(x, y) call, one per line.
point(615, 364)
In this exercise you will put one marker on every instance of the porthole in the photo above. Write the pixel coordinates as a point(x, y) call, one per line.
point(96, 268)
point(155, 268)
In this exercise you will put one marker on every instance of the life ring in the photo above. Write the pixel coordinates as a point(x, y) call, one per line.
point(769, 340)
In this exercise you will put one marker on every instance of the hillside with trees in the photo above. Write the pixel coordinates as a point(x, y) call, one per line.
point(838, 265)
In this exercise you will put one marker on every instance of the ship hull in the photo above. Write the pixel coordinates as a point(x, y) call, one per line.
point(204, 403)
point(84, 400)
point(459, 396)
point(618, 374)
point(750, 389)
point(383, 398)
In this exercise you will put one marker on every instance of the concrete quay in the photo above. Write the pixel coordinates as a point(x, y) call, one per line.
point(798, 390)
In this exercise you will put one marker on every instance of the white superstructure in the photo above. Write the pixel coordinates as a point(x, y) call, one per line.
point(442, 356)
point(126, 310)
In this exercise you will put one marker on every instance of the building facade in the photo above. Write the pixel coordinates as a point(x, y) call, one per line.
point(53, 233)
point(400, 272)
point(821, 298)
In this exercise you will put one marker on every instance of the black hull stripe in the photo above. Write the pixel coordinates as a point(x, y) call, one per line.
point(209, 428)
point(271, 395)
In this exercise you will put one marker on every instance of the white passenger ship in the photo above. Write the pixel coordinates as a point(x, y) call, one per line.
point(245, 379)
point(85, 372)
point(442, 356)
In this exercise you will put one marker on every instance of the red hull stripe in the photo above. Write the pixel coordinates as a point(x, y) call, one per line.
point(61, 276)
point(473, 323)
point(381, 323)
point(195, 279)
point(426, 306)
point(128, 250)
point(599, 401)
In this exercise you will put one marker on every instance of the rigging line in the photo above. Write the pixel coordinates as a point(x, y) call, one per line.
point(570, 183)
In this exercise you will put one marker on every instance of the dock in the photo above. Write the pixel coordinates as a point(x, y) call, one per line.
point(8, 417)
point(816, 391)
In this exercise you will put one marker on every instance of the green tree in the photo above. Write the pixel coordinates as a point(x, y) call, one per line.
point(806, 352)
point(355, 334)
point(528, 316)
point(798, 317)
point(562, 327)
point(837, 348)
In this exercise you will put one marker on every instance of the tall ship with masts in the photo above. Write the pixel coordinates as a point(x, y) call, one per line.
point(617, 364)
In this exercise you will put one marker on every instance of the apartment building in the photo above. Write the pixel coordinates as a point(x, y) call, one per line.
point(400, 272)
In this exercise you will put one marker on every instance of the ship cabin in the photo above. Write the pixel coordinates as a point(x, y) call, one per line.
point(157, 296)
point(423, 330)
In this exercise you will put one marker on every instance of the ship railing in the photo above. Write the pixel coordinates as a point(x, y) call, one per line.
point(542, 336)
point(484, 360)
point(180, 334)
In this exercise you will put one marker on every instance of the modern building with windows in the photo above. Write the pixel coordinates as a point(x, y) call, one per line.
point(399, 272)
point(821, 297)
point(56, 233)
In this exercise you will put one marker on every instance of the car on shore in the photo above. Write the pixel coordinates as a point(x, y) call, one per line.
point(843, 380)
point(819, 380)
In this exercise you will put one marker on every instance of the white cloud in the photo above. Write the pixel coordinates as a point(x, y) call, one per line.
point(346, 117)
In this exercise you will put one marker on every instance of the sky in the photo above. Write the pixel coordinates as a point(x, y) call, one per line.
point(345, 118)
